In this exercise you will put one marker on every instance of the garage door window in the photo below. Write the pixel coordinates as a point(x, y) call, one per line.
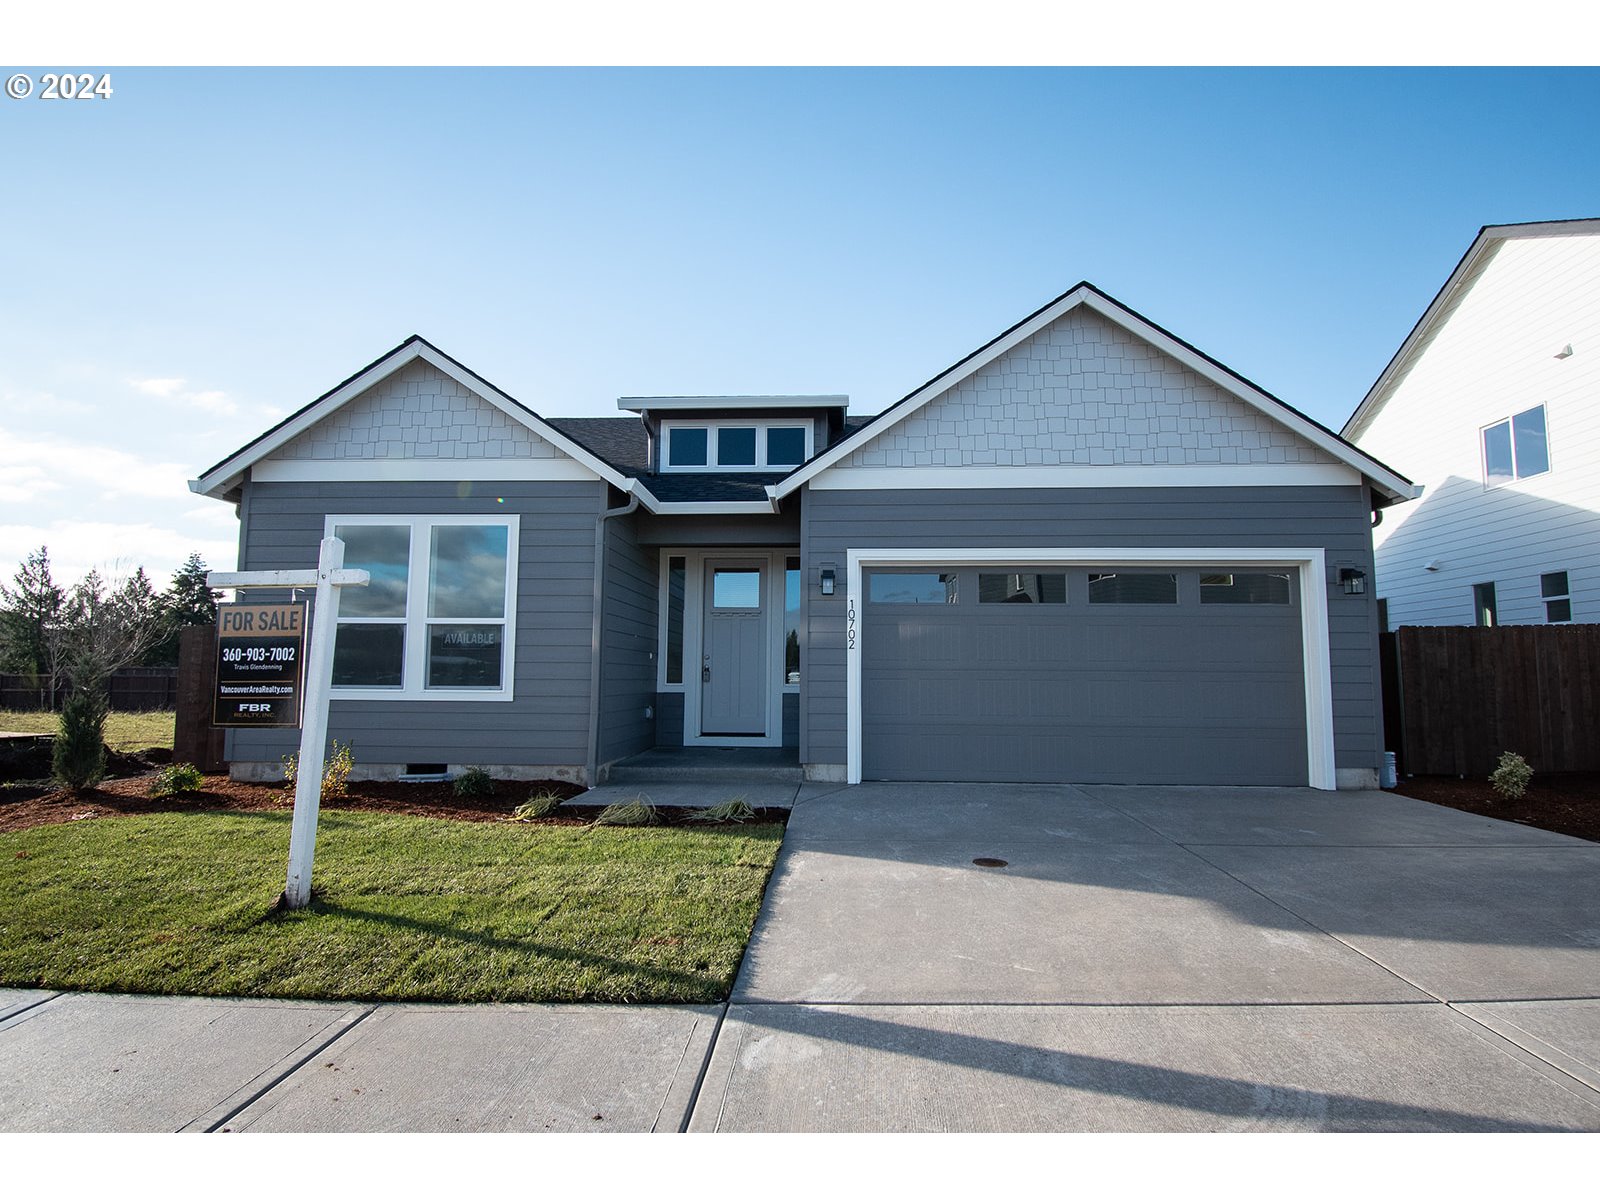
point(1022, 589)
point(1239, 588)
point(1137, 588)
point(919, 588)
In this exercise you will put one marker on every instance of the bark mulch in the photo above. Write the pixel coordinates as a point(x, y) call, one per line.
point(23, 808)
point(1567, 804)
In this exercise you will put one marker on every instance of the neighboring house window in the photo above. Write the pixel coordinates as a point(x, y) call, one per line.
point(1237, 587)
point(1022, 589)
point(749, 445)
point(1484, 612)
point(1557, 597)
point(1516, 448)
point(1137, 588)
point(436, 620)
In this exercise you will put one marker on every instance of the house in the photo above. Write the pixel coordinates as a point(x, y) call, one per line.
point(1492, 404)
point(1085, 552)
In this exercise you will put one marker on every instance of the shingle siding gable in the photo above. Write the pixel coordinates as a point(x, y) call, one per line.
point(1084, 391)
point(418, 412)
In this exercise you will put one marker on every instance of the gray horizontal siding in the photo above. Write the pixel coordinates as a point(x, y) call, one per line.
point(547, 724)
point(1334, 518)
point(628, 643)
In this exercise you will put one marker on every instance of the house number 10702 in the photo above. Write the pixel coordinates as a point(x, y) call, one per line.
point(850, 625)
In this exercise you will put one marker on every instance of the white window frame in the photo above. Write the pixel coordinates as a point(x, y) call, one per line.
point(1311, 562)
point(760, 424)
point(1516, 471)
point(773, 562)
point(1546, 601)
point(414, 665)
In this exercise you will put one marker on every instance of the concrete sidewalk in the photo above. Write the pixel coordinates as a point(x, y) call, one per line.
point(1147, 959)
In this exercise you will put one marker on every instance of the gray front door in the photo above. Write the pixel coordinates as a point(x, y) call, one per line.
point(733, 666)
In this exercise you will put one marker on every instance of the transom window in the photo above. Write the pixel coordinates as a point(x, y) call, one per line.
point(1516, 448)
point(1133, 587)
point(436, 620)
point(1244, 587)
point(752, 445)
point(1022, 589)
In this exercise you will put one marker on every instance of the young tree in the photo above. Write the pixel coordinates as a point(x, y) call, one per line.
point(29, 611)
point(187, 602)
point(104, 628)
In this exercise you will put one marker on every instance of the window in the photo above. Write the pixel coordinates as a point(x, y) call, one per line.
point(677, 577)
point(1022, 589)
point(436, 619)
point(737, 588)
point(1140, 588)
point(749, 445)
point(1237, 587)
point(791, 621)
point(923, 587)
point(686, 447)
point(1484, 612)
point(1516, 448)
point(1557, 597)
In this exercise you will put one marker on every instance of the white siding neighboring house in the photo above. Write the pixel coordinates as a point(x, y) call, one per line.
point(1509, 347)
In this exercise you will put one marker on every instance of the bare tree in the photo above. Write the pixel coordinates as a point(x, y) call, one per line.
point(104, 627)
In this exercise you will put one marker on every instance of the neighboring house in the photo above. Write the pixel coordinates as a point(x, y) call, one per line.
point(1493, 404)
point(1085, 552)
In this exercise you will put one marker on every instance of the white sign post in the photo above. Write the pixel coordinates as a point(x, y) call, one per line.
point(328, 578)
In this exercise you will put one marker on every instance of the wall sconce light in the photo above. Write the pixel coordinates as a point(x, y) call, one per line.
point(1353, 582)
point(826, 579)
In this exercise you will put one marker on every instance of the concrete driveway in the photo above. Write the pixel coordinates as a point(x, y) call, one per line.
point(1147, 959)
point(1163, 959)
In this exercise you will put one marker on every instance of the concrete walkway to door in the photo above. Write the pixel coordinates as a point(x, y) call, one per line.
point(1163, 959)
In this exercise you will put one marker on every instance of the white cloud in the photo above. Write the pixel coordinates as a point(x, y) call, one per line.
point(159, 387)
point(34, 403)
point(173, 389)
point(102, 470)
point(114, 548)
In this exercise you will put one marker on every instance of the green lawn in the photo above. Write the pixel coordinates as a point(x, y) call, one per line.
point(406, 908)
point(125, 731)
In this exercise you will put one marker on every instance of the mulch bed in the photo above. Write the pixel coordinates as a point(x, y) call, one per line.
point(23, 808)
point(1567, 804)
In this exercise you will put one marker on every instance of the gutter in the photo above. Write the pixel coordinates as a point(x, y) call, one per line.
point(592, 767)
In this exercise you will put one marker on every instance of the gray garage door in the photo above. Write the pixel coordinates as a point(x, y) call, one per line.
point(1100, 675)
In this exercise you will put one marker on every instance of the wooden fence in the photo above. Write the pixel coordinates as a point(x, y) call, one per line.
point(1461, 695)
point(133, 689)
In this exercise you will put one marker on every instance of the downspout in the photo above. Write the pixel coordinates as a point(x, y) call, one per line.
point(593, 766)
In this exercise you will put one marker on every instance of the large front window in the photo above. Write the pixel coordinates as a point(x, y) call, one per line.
point(436, 620)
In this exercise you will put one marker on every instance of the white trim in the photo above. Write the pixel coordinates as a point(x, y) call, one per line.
point(407, 470)
point(849, 479)
point(761, 425)
point(706, 507)
point(773, 560)
point(1387, 481)
point(672, 403)
point(1311, 562)
point(416, 620)
point(226, 474)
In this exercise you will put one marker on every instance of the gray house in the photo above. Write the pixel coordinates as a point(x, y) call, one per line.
point(1085, 552)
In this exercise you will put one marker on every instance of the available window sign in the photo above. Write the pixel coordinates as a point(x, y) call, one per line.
point(260, 665)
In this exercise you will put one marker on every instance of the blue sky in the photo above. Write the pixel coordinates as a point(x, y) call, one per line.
point(210, 249)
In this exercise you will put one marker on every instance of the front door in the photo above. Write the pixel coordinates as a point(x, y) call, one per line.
point(733, 658)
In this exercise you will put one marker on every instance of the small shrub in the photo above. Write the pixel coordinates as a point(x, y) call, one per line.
point(78, 755)
point(735, 810)
point(336, 769)
point(176, 780)
point(472, 783)
point(540, 804)
point(1511, 776)
point(630, 812)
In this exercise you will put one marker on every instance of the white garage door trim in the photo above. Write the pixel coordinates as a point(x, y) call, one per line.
point(1310, 562)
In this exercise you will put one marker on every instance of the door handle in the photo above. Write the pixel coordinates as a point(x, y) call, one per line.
point(705, 669)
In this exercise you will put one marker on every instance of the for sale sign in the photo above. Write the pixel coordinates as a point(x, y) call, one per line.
point(260, 664)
